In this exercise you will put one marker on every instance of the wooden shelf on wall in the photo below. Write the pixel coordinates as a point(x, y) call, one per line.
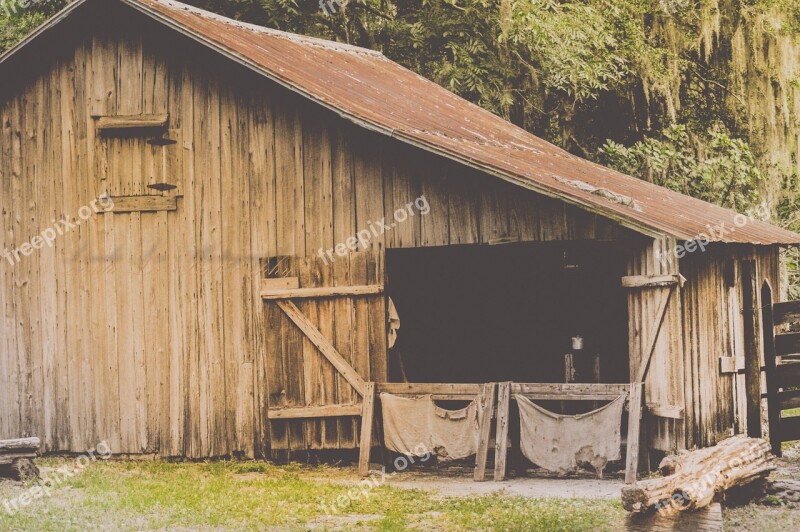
point(128, 122)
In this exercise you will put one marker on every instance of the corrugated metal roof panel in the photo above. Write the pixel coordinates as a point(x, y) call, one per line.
point(365, 87)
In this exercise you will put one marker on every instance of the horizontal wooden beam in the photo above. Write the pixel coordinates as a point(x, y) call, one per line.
point(325, 291)
point(414, 388)
point(570, 396)
point(308, 412)
point(786, 312)
point(126, 122)
point(125, 204)
point(571, 389)
point(20, 445)
point(644, 281)
point(323, 345)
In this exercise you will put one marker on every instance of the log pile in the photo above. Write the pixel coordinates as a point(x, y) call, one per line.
point(16, 456)
point(693, 479)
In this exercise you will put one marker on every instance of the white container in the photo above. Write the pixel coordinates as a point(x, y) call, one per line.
point(577, 343)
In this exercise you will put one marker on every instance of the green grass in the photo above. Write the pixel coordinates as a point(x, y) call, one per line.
point(257, 495)
point(762, 519)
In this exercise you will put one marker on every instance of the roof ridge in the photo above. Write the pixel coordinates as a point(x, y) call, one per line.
point(294, 37)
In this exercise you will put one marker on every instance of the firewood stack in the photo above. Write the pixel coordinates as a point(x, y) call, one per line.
point(692, 479)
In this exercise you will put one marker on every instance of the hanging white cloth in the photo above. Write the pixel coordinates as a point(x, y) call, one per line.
point(394, 323)
point(560, 443)
point(415, 426)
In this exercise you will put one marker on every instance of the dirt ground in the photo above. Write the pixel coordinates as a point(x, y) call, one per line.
point(450, 486)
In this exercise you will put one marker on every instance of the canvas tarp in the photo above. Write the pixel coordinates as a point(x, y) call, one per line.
point(416, 426)
point(560, 443)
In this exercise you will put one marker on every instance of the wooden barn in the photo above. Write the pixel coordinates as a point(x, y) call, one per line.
point(211, 232)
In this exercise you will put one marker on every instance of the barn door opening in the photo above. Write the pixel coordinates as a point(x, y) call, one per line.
point(475, 314)
point(327, 338)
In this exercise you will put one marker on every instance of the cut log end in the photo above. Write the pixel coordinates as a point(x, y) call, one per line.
point(694, 479)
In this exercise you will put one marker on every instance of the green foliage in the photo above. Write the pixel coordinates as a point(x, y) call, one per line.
point(17, 21)
point(120, 495)
point(711, 166)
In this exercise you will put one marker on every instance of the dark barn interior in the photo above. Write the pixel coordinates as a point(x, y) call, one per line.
point(477, 314)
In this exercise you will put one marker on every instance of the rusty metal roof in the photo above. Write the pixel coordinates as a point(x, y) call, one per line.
point(365, 87)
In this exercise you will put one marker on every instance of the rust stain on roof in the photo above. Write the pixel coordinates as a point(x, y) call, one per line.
point(372, 91)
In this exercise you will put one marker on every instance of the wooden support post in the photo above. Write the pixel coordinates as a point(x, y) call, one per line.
point(634, 430)
point(367, 417)
point(485, 431)
point(770, 369)
point(501, 437)
point(752, 349)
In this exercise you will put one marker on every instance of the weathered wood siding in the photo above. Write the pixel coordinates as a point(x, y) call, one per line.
point(713, 324)
point(146, 328)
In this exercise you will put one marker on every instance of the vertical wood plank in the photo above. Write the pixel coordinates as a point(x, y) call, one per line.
point(233, 249)
point(501, 436)
point(768, 332)
point(344, 227)
point(318, 206)
point(634, 432)
point(488, 400)
point(263, 242)
point(367, 418)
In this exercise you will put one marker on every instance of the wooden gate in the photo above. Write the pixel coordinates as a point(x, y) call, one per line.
point(782, 367)
point(327, 337)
